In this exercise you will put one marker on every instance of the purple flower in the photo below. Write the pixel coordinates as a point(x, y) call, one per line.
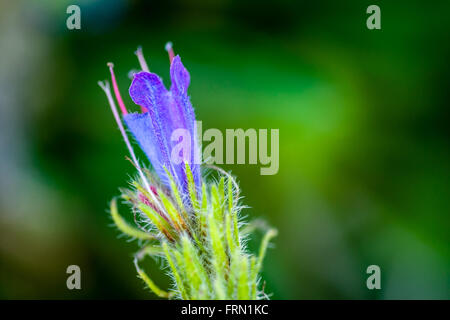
point(166, 112)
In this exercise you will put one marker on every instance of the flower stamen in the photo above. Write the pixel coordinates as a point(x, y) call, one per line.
point(106, 88)
point(116, 89)
point(142, 62)
point(169, 49)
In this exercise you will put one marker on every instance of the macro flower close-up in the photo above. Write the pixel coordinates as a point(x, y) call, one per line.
point(222, 159)
point(193, 224)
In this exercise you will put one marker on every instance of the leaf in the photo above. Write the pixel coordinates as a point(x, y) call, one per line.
point(191, 187)
point(125, 227)
point(150, 284)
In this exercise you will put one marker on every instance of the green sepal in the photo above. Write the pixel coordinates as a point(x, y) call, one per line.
point(125, 227)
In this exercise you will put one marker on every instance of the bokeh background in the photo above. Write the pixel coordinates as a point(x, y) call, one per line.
point(364, 141)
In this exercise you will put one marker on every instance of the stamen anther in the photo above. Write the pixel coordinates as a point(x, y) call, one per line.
point(169, 49)
point(142, 62)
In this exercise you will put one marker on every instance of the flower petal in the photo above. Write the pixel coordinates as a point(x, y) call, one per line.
point(147, 90)
point(180, 82)
point(167, 112)
point(146, 134)
point(155, 126)
point(179, 76)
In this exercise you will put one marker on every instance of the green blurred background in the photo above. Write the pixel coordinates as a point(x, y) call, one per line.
point(364, 141)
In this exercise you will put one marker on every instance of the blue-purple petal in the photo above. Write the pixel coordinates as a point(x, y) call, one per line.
point(145, 133)
point(167, 111)
point(180, 79)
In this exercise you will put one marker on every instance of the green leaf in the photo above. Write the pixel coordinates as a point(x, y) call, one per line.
point(126, 228)
point(243, 285)
point(159, 222)
point(150, 284)
point(204, 198)
point(221, 191)
point(176, 194)
point(174, 215)
point(191, 187)
point(229, 234)
point(196, 274)
point(230, 195)
point(219, 256)
point(216, 205)
point(262, 250)
point(176, 275)
point(253, 278)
